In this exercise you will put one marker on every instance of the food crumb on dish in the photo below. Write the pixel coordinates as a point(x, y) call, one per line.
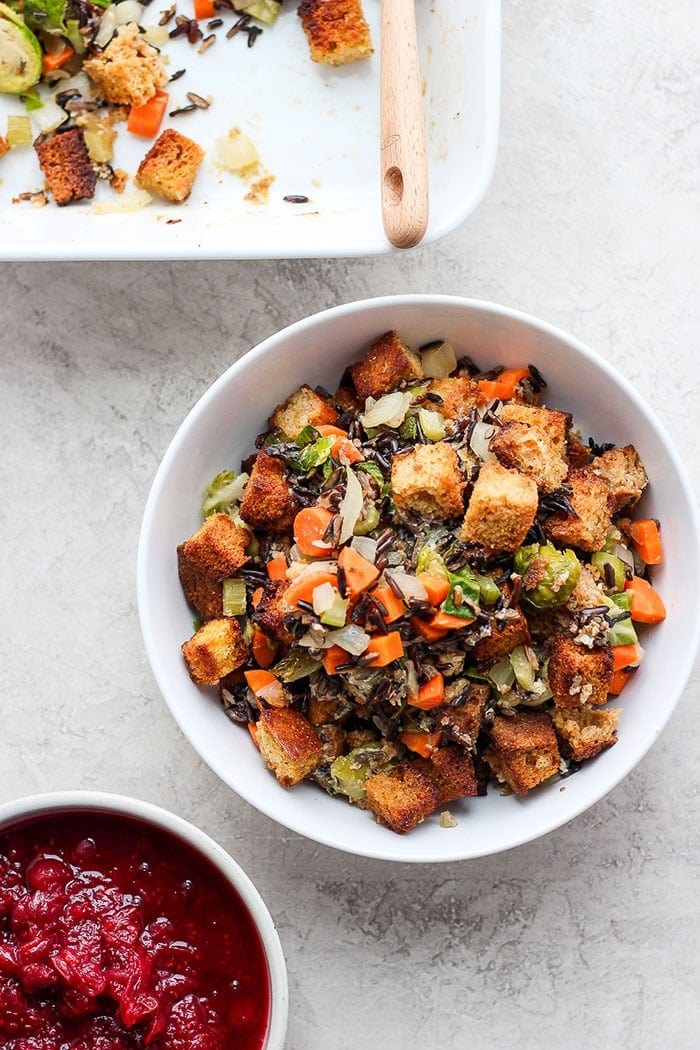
point(447, 820)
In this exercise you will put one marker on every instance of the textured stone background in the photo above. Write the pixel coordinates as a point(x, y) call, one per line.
point(589, 937)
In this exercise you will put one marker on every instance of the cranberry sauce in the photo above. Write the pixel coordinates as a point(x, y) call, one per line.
point(115, 935)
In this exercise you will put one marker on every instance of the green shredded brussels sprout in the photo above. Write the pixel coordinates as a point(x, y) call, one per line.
point(559, 572)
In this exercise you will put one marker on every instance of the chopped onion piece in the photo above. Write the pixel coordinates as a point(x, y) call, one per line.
point(49, 117)
point(624, 554)
point(123, 205)
point(390, 410)
point(439, 360)
point(365, 546)
point(480, 441)
point(127, 11)
point(323, 597)
point(299, 567)
point(432, 424)
point(108, 24)
point(156, 35)
point(411, 680)
point(236, 152)
point(351, 506)
point(351, 638)
point(410, 586)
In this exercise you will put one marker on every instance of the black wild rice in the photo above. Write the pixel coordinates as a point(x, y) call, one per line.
point(296, 198)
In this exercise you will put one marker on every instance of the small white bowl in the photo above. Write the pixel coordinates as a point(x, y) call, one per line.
point(220, 431)
point(23, 810)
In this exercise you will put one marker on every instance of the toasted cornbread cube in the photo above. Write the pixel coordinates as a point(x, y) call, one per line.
point(402, 798)
point(458, 396)
point(463, 724)
point(501, 508)
point(66, 166)
point(214, 651)
point(578, 675)
point(529, 450)
point(268, 501)
point(204, 593)
point(505, 636)
point(170, 167)
point(337, 31)
point(324, 710)
point(290, 746)
point(129, 71)
point(218, 547)
point(555, 424)
point(623, 472)
point(388, 362)
point(269, 613)
point(304, 408)
point(588, 527)
point(577, 454)
point(427, 482)
point(586, 731)
point(587, 594)
point(333, 740)
point(451, 770)
point(523, 750)
point(346, 400)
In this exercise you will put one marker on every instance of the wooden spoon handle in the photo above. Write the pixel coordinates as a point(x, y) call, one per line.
point(404, 166)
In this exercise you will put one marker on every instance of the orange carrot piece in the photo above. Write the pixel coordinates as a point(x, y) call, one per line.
point(262, 648)
point(204, 9)
point(647, 605)
point(504, 385)
point(57, 59)
point(256, 597)
point(422, 743)
point(431, 694)
point(310, 525)
point(267, 687)
point(620, 679)
point(302, 589)
point(277, 568)
point(329, 430)
point(447, 622)
point(146, 120)
point(253, 730)
point(350, 453)
point(395, 608)
point(627, 656)
point(386, 647)
point(360, 574)
point(333, 657)
point(426, 630)
point(438, 587)
point(646, 537)
point(258, 680)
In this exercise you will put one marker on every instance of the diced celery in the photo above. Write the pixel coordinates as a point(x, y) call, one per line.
point(234, 597)
point(19, 130)
point(613, 579)
point(432, 424)
point(622, 633)
point(335, 614)
point(295, 665)
point(364, 525)
point(264, 10)
point(489, 592)
point(522, 668)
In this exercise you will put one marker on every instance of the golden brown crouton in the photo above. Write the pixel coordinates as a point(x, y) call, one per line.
point(268, 501)
point(592, 501)
point(555, 424)
point(323, 710)
point(505, 636)
point(623, 472)
point(290, 746)
point(129, 71)
point(214, 651)
point(218, 547)
point(388, 362)
point(204, 593)
point(587, 594)
point(170, 167)
point(578, 454)
point(304, 408)
point(427, 482)
point(66, 166)
point(402, 798)
point(585, 731)
point(458, 395)
point(501, 508)
point(463, 723)
point(271, 609)
point(523, 750)
point(451, 770)
point(529, 450)
point(337, 31)
point(578, 675)
point(333, 740)
point(346, 399)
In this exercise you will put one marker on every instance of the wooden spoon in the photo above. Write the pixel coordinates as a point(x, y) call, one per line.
point(404, 167)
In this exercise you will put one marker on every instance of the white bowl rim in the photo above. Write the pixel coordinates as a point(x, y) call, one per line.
point(682, 671)
point(31, 807)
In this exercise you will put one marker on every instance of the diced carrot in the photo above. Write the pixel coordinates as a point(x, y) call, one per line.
point(447, 622)
point(360, 574)
point(333, 658)
point(277, 568)
point(253, 730)
point(395, 608)
point(646, 537)
point(504, 385)
point(57, 58)
point(627, 656)
point(263, 648)
point(426, 630)
point(258, 680)
point(350, 453)
point(647, 605)
point(386, 647)
point(146, 120)
point(620, 679)
point(256, 597)
point(438, 587)
point(328, 430)
point(310, 526)
point(267, 687)
point(431, 694)
point(302, 589)
point(204, 9)
point(422, 743)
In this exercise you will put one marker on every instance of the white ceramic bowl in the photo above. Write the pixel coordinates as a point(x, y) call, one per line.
point(219, 432)
point(24, 810)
